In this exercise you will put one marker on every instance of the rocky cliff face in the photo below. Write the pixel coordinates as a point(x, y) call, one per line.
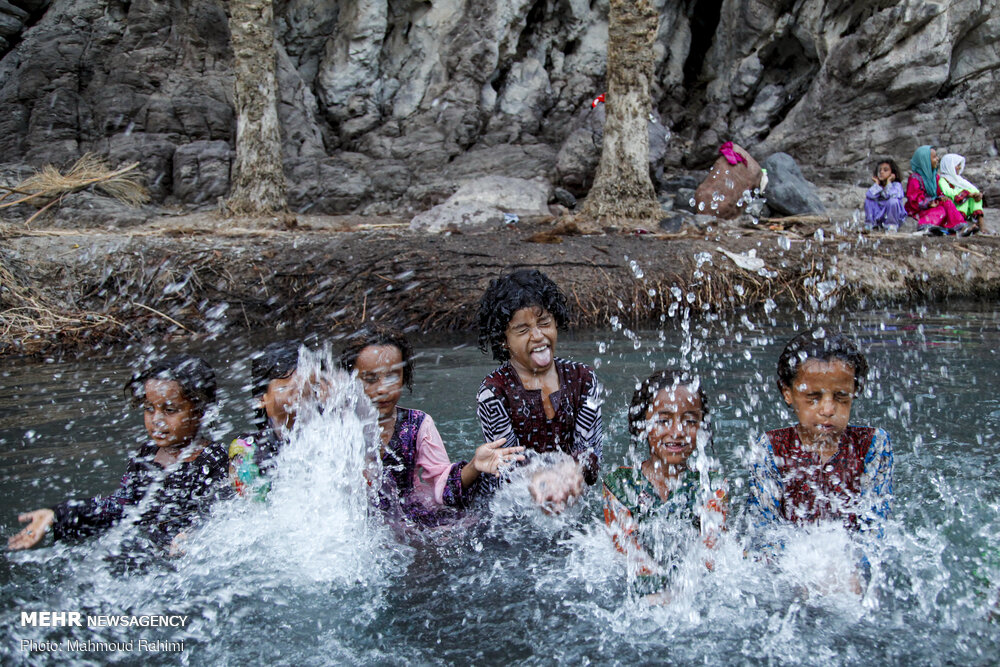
point(387, 104)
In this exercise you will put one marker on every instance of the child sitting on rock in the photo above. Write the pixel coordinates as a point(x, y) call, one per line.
point(884, 200)
point(934, 213)
point(966, 196)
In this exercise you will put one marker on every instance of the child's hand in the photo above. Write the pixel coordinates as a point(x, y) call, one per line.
point(40, 520)
point(177, 545)
point(491, 457)
point(556, 487)
point(890, 178)
point(875, 179)
point(978, 196)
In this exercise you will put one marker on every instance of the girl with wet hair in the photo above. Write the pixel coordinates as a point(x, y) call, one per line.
point(668, 415)
point(535, 399)
point(417, 475)
point(277, 390)
point(821, 469)
point(183, 470)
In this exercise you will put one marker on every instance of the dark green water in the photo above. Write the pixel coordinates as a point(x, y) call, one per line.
point(536, 590)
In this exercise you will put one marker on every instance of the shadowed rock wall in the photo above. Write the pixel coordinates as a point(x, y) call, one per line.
point(387, 104)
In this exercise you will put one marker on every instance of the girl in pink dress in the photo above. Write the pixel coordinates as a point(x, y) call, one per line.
point(418, 479)
point(924, 202)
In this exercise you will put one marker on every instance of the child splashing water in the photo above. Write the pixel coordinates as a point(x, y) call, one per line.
point(535, 399)
point(821, 469)
point(655, 510)
point(417, 476)
point(173, 479)
point(277, 389)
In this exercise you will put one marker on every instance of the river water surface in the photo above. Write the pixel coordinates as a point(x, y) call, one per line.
point(309, 580)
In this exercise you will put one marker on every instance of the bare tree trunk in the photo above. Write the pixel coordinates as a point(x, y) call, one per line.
point(258, 178)
point(623, 194)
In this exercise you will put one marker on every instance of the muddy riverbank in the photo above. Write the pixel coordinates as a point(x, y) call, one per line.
point(198, 275)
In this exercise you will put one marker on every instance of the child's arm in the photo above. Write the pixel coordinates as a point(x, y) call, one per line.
point(876, 192)
point(588, 440)
point(876, 484)
point(494, 418)
point(766, 490)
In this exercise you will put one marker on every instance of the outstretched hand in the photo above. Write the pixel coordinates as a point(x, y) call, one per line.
point(491, 456)
point(556, 487)
point(38, 524)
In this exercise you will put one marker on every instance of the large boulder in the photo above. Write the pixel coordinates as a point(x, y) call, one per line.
point(484, 201)
point(722, 192)
point(788, 191)
point(202, 171)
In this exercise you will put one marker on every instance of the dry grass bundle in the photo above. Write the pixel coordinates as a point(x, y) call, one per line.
point(48, 186)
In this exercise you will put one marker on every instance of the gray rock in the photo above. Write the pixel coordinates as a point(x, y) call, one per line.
point(449, 90)
point(89, 209)
point(457, 216)
point(153, 152)
point(332, 185)
point(201, 171)
point(564, 197)
point(510, 195)
point(788, 192)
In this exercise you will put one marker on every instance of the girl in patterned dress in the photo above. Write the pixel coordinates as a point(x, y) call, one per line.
point(535, 399)
point(174, 478)
point(418, 479)
point(821, 469)
point(654, 511)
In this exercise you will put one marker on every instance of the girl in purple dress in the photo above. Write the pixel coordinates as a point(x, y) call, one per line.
point(419, 483)
point(884, 200)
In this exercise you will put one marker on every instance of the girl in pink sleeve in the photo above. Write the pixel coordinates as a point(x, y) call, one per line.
point(418, 478)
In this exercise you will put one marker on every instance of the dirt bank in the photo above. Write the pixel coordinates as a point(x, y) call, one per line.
point(197, 274)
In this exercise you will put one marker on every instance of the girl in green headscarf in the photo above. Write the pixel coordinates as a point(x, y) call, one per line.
point(933, 212)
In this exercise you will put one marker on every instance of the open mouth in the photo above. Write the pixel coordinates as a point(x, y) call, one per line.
point(541, 355)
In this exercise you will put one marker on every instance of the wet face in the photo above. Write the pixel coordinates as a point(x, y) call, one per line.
point(673, 420)
point(281, 400)
point(171, 419)
point(934, 159)
point(380, 369)
point(821, 396)
point(884, 172)
point(531, 340)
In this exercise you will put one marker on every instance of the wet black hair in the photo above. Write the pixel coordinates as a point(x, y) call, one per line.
point(893, 167)
point(822, 345)
point(195, 377)
point(646, 394)
point(380, 336)
point(506, 295)
point(276, 361)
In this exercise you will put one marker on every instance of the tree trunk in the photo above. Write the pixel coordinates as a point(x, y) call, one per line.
point(258, 178)
point(623, 194)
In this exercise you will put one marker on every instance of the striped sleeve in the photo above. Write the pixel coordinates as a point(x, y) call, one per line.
point(766, 490)
point(588, 440)
point(876, 484)
point(494, 418)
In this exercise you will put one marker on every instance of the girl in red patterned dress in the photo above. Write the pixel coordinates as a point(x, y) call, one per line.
point(822, 469)
point(535, 399)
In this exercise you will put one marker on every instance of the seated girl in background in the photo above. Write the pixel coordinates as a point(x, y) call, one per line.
point(417, 476)
point(535, 399)
point(884, 200)
point(923, 201)
point(179, 466)
point(966, 196)
point(277, 389)
point(821, 469)
point(655, 511)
